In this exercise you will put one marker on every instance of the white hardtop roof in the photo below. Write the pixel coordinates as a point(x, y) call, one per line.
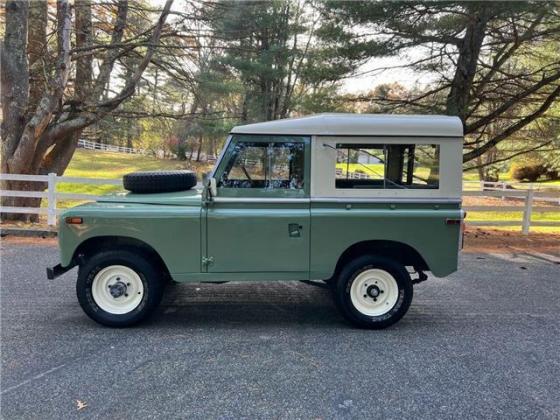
point(359, 125)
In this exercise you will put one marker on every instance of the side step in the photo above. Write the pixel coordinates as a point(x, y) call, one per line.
point(57, 271)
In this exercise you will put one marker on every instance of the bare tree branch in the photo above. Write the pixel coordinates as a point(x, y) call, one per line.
point(514, 127)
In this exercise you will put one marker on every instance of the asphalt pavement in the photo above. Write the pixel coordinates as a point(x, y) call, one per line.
point(482, 343)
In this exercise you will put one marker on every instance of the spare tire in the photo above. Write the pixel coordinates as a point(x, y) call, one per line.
point(159, 181)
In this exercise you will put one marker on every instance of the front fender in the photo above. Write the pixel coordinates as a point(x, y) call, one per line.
point(172, 231)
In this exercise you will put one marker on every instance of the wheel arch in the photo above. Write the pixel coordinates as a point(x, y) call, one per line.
point(399, 251)
point(93, 244)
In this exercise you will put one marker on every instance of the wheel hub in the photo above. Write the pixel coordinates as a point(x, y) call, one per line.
point(373, 291)
point(118, 289)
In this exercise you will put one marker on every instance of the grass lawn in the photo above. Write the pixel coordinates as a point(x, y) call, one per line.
point(96, 164)
point(493, 216)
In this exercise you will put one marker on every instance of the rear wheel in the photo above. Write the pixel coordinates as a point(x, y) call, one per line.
point(373, 292)
point(119, 288)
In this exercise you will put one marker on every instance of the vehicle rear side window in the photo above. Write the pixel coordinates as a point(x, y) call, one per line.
point(387, 166)
point(265, 165)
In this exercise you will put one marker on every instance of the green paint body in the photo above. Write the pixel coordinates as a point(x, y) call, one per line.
point(262, 241)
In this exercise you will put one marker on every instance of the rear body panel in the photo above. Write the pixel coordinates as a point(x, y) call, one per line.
point(337, 226)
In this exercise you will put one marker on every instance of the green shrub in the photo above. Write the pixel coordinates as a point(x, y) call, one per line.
point(532, 172)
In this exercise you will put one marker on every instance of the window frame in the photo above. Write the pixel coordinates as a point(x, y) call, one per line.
point(408, 164)
point(228, 154)
point(323, 158)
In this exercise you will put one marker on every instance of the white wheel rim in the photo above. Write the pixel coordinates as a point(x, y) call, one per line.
point(374, 292)
point(126, 285)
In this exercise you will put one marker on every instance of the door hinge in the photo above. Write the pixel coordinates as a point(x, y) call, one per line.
point(207, 260)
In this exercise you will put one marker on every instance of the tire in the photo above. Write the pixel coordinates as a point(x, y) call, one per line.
point(159, 181)
point(105, 273)
point(373, 292)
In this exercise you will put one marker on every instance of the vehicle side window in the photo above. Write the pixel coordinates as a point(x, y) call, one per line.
point(387, 166)
point(265, 165)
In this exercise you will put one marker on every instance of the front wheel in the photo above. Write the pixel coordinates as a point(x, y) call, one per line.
point(373, 292)
point(119, 288)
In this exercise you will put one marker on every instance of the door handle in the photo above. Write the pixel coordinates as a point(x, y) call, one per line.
point(294, 230)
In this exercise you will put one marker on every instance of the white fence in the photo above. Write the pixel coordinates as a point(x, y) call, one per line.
point(351, 175)
point(92, 145)
point(530, 199)
point(508, 186)
point(50, 193)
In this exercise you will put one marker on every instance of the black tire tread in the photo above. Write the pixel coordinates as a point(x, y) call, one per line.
point(348, 273)
point(146, 182)
point(138, 261)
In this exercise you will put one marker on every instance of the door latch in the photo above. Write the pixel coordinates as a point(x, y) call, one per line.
point(207, 260)
point(294, 230)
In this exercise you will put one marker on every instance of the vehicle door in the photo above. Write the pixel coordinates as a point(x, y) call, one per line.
point(259, 220)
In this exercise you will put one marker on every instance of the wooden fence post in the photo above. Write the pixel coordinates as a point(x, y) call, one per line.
point(527, 211)
point(51, 198)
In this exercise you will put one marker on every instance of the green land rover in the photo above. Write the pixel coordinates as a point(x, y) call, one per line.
point(362, 204)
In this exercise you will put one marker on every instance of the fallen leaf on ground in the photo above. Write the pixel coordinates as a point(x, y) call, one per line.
point(81, 405)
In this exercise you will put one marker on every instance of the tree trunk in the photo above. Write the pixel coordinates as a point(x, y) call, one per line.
point(183, 135)
point(199, 149)
point(59, 157)
point(23, 156)
point(469, 52)
point(486, 172)
point(480, 168)
point(15, 95)
point(84, 38)
point(245, 107)
point(36, 52)
point(39, 131)
point(14, 78)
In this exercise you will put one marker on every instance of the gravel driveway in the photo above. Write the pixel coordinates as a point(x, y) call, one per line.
point(484, 342)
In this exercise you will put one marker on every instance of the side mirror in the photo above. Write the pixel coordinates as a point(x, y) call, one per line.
point(210, 188)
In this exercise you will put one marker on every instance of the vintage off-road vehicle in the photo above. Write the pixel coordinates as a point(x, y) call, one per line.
point(364, 203)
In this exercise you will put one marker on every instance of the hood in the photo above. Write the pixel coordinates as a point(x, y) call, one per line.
point(191, 197)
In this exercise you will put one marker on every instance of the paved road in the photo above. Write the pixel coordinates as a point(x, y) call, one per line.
point(484, 342)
